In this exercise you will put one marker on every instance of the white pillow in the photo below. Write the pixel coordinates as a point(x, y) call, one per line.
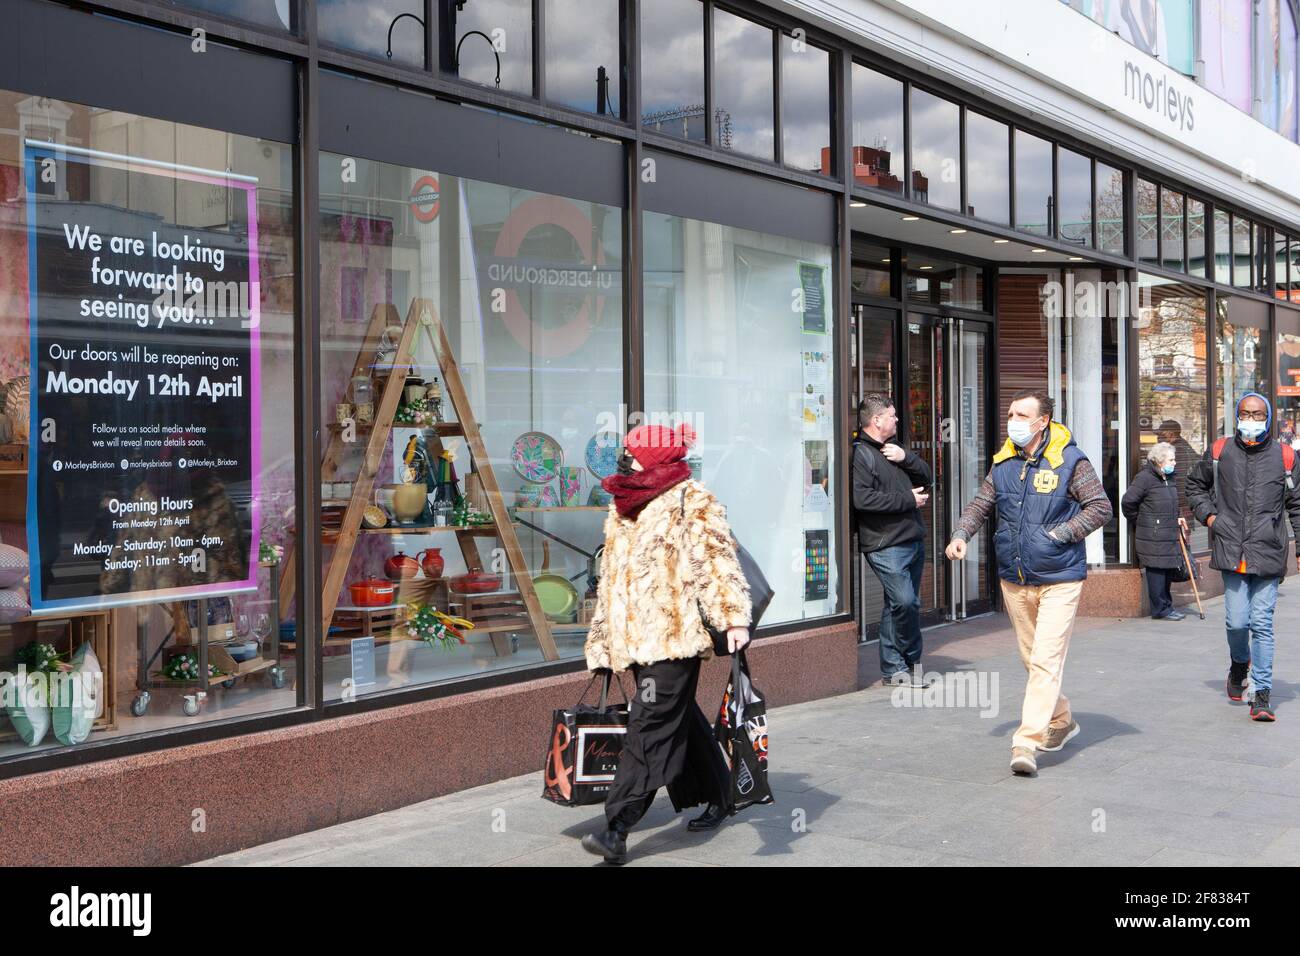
point(14, 605)
point(30, 712)
point(13, 566)
point(74, 697)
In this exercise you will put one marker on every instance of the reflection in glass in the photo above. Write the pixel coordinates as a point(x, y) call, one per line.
point(1148, 222)
point(988, 168)
point(871, 270)
point(583, 66)
point(1259, 258)
point(943, 282)
point(717, 308)
point(1222, 248)
point(743, 118)
point(1196, 244)
point(1111, 209)
point(366, 25)
point(1241, 272)
point(1241, 360)
point(1172, 378)
point(672, 68)
point(805, 106)
point(1282, 252)
point(1074, 179)
point(877, 130)
point(512, 21)
point(1288, 378)
point(936, 150)
point(1035, 203)
point(1171, 229)
point(267, 13)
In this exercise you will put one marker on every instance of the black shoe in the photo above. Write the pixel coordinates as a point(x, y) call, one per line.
point(1260, 708)
point(1237, 680)
point(710, 819)
point(609, 844)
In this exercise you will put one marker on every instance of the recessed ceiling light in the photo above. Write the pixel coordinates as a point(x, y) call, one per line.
point(956, 232)
point(857, 205)
point(1076, 258)
point(926, 267)
point(910, 218)
point(886, 260)
point(1037, 250)
point(1000, 242)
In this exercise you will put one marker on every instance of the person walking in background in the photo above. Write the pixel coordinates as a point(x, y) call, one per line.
point(1242, 490)
point(669, 564)
point(1151, 502)
point(889, 485)
point(1048, 500)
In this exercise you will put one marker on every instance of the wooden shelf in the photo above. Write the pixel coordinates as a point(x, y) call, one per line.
point(563, 508)
point(481, 529)
point(441, 428)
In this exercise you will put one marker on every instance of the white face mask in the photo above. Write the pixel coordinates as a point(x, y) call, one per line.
point(1021, 433)
point(1250, 429)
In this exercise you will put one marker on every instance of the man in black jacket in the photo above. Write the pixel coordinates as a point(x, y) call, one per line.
point(1242, 490)
point(889, 489)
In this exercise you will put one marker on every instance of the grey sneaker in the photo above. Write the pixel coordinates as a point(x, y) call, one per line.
point(1023, 762)
point(1058, 737)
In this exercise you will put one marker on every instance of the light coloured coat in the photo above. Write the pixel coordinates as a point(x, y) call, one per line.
point(658, 574)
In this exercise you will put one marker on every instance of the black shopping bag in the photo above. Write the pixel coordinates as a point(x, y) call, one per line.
point(585, 746)
point(741, 728)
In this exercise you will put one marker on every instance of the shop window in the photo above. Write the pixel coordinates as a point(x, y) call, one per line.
point(988, 168)
point(526, 287)
point(936, 150)
point(871, 270)
point(386, 29)
point(1288, 377)
point(1259, 257)
point(1148, 222)
point(1225, 47)
point(266, 13)
point(1035, 202)
point(1111, 209)
point(1241, 361)
point(1171, 229)
point(1172, 377)
point(584, 68)
point(1281, 255)
point(943, 282)
point(1074, 179)
point(1286, 72)
point(1241, 257)
point(672, 68)
point(724, 352)
point(805, 106)
point(148, 269)
point(1196, 239)
point(877, 130)
point(1222, 248)
point(1267, 36)
point(495, 38)
point(743, 94)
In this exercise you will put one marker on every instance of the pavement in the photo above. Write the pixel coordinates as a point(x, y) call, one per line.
point(1166, 772)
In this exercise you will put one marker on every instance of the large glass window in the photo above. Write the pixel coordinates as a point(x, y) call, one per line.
point(1259, 258)
point(672, 68)
point(1035, 203)
point(1171, 229)
point(944, 282)
point(1286, 72)
point(1222, 247)
point(1242, 364)
point(370, 27)
point(743, 92)
point(936, 150)
point(1172, 377)
point(877, 130)
point(988, 168)
point(1267, 44)
point(526, 287)
point(717, 309)
point(1148, 222)
point(871, 270)
point(584, 67)
point(1111, 209)
point(494, 38)
point(1288, 376)
point(267, 13)
point(1282, 252)
point(1196, 237)
point(1225, 48)
point(1241, 261)
point(1074, 178)
point(805, 105)
point(147, 275)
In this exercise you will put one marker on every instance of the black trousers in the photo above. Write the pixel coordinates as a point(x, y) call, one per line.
point(1158, 584)
point(669, 743)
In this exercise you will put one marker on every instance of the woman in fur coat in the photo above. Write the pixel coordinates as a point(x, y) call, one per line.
point(669, 564)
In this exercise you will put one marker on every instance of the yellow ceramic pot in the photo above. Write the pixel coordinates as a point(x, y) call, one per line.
point(409, 501)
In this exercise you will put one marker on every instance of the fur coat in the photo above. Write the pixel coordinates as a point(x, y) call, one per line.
point(658, 574)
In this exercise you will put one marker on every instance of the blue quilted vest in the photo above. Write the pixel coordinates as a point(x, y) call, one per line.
point(1033, 497)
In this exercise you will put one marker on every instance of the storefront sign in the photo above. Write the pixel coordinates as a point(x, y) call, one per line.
point(425, 199)
point(363, 661)
point(143, 474)
point(812, 282)
point(817, 565)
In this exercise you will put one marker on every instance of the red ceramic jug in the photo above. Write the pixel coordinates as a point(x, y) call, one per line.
point(401, 566)
point(433, 564)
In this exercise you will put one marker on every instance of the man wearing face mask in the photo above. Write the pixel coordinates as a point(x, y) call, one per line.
point(1242, 490)
point(1048, 500)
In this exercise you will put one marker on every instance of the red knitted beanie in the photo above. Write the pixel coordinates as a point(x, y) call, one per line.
point(655, 444)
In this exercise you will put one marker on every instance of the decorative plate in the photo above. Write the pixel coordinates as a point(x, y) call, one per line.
point(602, 454)
point(536, 457)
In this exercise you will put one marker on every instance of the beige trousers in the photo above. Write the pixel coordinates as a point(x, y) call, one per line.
point(1043, 616)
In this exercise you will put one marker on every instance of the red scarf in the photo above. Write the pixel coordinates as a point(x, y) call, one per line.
point(633, 492)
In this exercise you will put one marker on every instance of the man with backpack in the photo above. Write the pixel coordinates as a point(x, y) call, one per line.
point(1242, 490)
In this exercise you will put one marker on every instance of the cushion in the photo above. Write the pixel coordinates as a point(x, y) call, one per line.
point(14, 605)
point(28, 706)
point(13, 566)
point(74, 697)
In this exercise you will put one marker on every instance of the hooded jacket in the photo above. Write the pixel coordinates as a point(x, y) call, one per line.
point(661, 574)
point(1152, 503)
point(1250, 500)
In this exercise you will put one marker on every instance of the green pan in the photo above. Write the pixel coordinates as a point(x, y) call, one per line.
point(556, 594)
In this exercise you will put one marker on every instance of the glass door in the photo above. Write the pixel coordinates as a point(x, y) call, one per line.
point(925, 419)
point(967, 446)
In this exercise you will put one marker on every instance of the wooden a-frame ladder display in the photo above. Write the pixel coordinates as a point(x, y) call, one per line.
point(421, 317)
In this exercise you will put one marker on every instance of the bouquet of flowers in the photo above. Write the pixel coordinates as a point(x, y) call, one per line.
point(40, 657)
point(433, 627)
point(416, 413)
point(270, 553)
point(466, 514)
point(186, 667)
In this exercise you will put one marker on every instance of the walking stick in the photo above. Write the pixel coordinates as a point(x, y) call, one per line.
point(1191, 573)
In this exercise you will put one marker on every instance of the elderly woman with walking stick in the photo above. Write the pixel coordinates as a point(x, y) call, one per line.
point(1152, 502)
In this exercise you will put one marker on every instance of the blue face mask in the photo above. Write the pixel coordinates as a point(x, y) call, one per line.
point(1250, 429)
point(1167, 469)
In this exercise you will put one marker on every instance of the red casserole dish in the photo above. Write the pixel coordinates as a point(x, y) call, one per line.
point(372, 592)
